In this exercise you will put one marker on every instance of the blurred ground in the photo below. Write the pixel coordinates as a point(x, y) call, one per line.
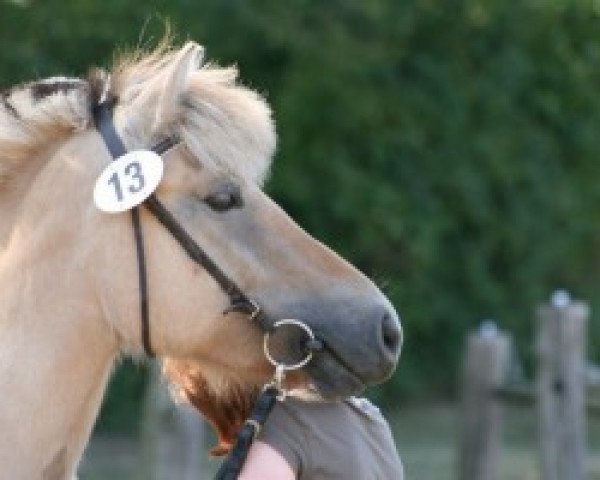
point(426, 437)
point(427, 440)
point(119, 458)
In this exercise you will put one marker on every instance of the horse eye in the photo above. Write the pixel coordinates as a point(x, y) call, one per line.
point(226, 198)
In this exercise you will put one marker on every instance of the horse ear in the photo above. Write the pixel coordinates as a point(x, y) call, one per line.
point(173, 84)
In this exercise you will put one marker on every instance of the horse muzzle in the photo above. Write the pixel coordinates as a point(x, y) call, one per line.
point(356, 343)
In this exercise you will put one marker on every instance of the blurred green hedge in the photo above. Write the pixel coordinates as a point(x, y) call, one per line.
point(449, 148)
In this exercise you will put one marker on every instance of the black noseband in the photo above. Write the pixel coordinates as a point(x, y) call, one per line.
point(239, 301)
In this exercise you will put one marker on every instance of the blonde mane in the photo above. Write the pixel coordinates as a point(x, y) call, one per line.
point(225, 125)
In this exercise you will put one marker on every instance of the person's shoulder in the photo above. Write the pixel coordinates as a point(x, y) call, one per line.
point(316, 432)
point(313, 412)
point(306, 412)
point(313, 417)
point(365, 408)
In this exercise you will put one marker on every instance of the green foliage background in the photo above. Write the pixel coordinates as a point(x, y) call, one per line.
point(449, 148)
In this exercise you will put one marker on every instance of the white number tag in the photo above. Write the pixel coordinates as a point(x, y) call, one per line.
point(128, 181)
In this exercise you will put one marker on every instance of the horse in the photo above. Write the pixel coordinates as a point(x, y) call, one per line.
point(70, 275)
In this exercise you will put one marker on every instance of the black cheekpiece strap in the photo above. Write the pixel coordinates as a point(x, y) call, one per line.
point(105, 126)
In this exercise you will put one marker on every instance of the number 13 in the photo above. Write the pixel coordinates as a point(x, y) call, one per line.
point(135, 180)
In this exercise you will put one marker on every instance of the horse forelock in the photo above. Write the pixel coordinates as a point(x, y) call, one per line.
point(225, 125)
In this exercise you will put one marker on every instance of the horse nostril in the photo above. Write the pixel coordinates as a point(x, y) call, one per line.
point(391, 333)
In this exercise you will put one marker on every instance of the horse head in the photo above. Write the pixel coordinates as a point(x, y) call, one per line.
point(212, 186)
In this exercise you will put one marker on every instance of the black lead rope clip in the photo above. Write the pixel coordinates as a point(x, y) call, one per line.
point(232, 466)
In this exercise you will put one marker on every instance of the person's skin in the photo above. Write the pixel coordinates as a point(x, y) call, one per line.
point(265, 463)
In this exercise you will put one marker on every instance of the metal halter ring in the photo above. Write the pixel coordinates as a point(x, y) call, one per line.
point(294, 366)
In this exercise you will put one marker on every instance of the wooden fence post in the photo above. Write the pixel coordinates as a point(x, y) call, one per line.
point(485, 367)
point(561, 375)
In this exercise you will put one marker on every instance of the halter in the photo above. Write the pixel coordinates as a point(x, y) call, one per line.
point(239, 301)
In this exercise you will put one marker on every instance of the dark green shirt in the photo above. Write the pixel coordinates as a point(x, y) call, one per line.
point(347, 440)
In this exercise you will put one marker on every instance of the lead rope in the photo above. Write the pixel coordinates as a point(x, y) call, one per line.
point(272, 392)
point(233, 464)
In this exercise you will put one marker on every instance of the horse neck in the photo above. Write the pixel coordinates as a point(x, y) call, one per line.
point(12, 192)
point(55, 360)
point(56, 352)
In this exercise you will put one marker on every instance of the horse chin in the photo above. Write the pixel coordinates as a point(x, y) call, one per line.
point(336, 387)
point(324, 392)
point(306, 394)
point(331, 380)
